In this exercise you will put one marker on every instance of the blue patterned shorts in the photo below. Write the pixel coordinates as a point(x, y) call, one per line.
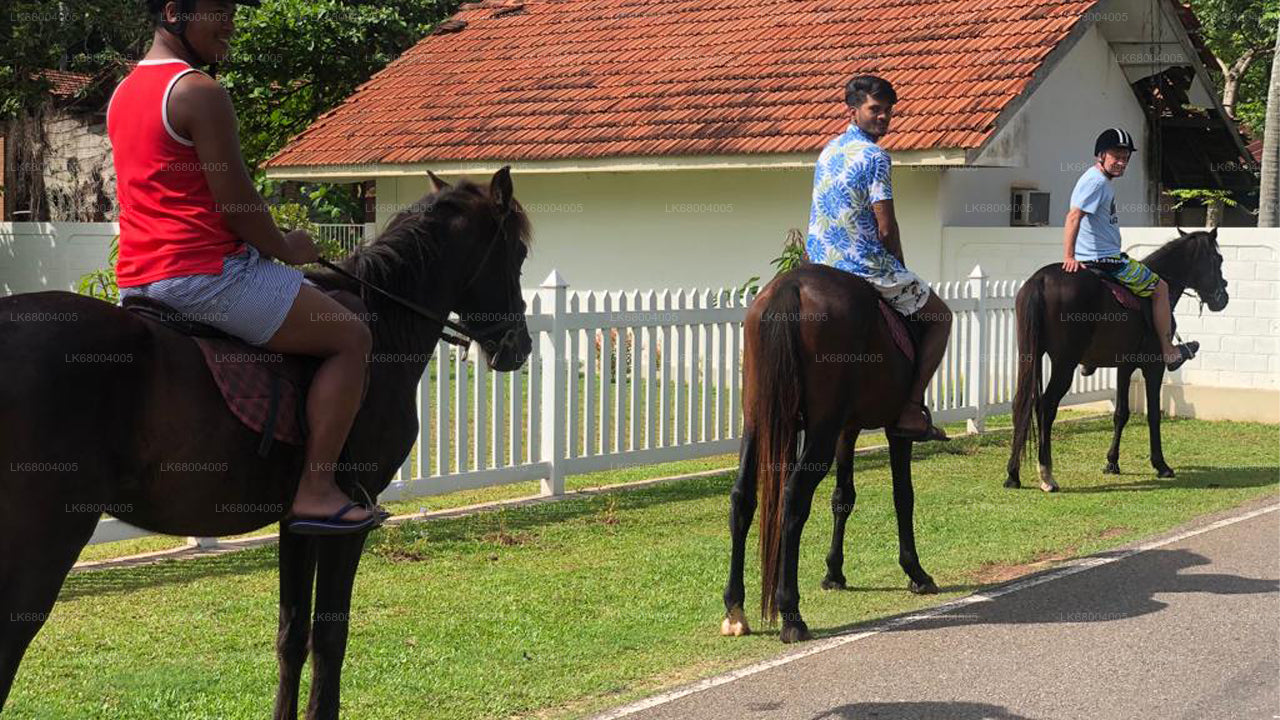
point(249, 299)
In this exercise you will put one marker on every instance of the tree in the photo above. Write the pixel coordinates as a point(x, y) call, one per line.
point(1241, 34)
point(1269, 198)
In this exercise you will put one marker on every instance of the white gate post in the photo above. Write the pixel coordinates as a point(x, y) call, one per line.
point(979, 362)
point(551, 349)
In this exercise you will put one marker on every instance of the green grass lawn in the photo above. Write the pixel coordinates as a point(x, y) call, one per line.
point(560, 609)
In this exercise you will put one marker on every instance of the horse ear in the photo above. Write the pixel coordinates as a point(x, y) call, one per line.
point(1213, 234)
point(500, 188)
point(1181, 233)
point(436, 183)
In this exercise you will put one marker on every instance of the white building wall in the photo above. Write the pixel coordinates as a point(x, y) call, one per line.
point(1051, 140)
point(643, 230)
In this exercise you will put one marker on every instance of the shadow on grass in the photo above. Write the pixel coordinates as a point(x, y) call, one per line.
point(109, 581)
point(921, 710)
point(1196, 477)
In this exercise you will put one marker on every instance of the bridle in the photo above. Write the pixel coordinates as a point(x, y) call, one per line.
point(463, 335)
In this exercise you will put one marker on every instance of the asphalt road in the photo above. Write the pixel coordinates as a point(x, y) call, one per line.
point(1186, 629)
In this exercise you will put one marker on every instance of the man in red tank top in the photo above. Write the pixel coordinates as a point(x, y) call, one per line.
point(187, 205)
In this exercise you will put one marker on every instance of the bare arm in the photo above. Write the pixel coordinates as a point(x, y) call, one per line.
point(887, 222)
point(200, 109)
point(1069, 232)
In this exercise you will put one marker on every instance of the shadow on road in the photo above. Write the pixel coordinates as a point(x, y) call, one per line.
point(1123, 589)
point(919, 711)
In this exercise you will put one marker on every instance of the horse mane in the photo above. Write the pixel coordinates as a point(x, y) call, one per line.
point(403, 258)
point(1200, 245)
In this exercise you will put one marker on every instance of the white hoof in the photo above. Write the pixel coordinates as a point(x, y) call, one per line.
point(735, 624)
point(1046, 479)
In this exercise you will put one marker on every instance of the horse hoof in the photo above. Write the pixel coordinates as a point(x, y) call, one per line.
point(1111, 469)
point(928, 587)
point(830, 583)
point(1013, 483)
point(735, 624)
point(1165, 472)
point(795, 632)
point(1046, 480)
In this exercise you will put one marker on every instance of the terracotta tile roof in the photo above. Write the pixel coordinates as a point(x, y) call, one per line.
point(66, 84)
point(561, 79)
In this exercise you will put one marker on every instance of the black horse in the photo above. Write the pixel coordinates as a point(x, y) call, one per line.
point(1073, 318)
point(99, 406)
point(818, 359)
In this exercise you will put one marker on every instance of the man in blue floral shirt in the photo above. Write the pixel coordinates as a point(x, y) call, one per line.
point(852, 227)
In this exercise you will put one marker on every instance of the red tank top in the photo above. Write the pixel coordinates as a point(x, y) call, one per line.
point(169, 223)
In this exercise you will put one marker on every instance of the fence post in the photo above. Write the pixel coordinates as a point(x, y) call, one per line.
point(551, 349)
point(979, 360)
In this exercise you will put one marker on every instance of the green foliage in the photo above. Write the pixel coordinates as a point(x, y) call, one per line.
point(1200, 196)
point(292, 60)
point(101, 283)
point(1230, 29)
point(293, 216)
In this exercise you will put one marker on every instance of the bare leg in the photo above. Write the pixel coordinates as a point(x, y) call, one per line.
point(937, 319)
point(1163, 318)
point(320, 326)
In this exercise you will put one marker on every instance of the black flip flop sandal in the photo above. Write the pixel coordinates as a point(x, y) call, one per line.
point(334, 524)
point(1187, 351)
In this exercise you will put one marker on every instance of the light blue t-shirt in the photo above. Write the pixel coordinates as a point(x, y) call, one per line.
point(1099, 235)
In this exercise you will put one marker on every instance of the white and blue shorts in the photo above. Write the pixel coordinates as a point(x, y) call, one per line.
point(249, 299)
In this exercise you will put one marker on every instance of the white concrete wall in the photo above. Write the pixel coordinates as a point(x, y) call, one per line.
point(51, 256)
point(1240, 346)
point(1051, 140)
point(687, 229)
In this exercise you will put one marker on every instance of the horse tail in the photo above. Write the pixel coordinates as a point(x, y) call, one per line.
point(778, 397)
point(1030, 316)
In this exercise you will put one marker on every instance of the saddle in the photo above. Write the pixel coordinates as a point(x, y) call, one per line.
point(1122, 294)
point(266, 391)
point(900, 330)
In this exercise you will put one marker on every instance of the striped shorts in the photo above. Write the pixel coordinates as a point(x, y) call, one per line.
point(249, 299)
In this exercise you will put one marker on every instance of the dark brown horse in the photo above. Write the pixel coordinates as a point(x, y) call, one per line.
point(1075, 320)
point(103, 411)
point(819, 363)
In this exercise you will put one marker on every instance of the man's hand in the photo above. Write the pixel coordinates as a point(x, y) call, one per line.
point(1071, 264)
point(302, 248)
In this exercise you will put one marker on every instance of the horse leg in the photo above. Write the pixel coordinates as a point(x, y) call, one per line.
point(742, 508)
point(904, 501)
point(1059, 383)
point(842, 500)
point(339, 558)
point(297, 580)
point(1152, 377)
point(797, 500)
point(1124, 374)
point(37, 555)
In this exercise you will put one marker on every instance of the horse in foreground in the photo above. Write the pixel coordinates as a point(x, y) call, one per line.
point(819, 364)
point(1075, 319)
point(104, 411)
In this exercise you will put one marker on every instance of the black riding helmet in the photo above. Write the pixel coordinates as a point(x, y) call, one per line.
point(1113, 138)
point(155, 7)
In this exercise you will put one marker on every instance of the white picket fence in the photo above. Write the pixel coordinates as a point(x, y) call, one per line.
point(349, 236)
point(623, 379)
